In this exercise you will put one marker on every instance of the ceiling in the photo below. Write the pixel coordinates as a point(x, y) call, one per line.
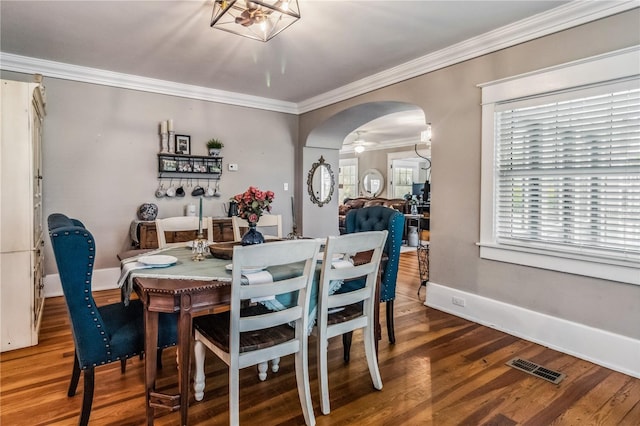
point(333, 44)
point(336, 44)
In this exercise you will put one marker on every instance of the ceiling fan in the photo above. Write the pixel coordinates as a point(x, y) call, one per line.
point(358, 143)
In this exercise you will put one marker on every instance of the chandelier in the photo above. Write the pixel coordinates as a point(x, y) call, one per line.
point(259, 19)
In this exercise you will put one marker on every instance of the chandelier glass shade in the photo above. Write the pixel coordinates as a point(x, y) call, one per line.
point(260, 19)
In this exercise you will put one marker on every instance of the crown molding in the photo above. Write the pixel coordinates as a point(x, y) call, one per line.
point(24, 64)
point(557, 19)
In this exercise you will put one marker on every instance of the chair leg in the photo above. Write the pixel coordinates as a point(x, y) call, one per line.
point(234, 394)
point(302, 380)
point(392, 334)
point(75, 376)
point(199, 377)
point(275, 365)
point(323, 372)
point(346, 343)
point(123, 366)
point(87, 398)
point(262, 370)
point(371, 354)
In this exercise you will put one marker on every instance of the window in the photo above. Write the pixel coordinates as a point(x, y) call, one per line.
point(402, 181)
point(561, 189)
point(348, 179)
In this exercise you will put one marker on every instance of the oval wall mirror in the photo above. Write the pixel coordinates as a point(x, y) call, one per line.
point(320, 182)
point(372, 183)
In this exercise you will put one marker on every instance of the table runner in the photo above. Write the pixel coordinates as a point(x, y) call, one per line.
point(213, 269)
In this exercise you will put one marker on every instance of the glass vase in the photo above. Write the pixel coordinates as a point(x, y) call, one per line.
point(252, 236)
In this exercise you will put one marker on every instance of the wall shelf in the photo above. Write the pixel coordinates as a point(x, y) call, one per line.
point(177, 165)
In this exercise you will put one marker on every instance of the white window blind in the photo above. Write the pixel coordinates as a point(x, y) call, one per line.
point(568, 172)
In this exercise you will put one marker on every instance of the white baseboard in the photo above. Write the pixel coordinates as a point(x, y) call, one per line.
point(614, 351)
point(103, 279)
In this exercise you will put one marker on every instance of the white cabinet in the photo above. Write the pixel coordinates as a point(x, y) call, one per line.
point(21, 224)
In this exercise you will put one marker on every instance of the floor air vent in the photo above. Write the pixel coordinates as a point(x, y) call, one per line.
point(536, 370)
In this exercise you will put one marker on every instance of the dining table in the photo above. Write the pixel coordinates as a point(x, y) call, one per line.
point(190, 288)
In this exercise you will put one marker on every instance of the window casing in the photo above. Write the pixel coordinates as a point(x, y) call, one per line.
point(403, 180)
point(561, 169)
point(347, 179)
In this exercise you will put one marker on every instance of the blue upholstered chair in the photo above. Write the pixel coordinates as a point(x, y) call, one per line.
point(378, 218)
point(102, 334)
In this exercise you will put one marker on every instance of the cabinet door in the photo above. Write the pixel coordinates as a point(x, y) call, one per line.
point(38, 282)
point(36, 170)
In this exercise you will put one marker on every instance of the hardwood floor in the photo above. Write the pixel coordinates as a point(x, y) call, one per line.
point(443, 370)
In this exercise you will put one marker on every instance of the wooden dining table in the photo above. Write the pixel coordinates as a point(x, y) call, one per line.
point(188, 298)
point(162, 291)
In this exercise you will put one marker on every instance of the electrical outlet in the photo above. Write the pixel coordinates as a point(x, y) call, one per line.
point(459, 301)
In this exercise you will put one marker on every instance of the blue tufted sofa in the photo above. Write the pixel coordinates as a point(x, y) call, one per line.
point(102, 334)
point(378, 218)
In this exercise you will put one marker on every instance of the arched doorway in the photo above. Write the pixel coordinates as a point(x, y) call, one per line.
point(326, 140)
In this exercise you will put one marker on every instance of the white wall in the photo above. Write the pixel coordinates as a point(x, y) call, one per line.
point(320, 221)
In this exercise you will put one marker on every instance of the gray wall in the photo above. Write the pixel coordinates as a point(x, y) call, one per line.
point(100, 156)
point(451, 101)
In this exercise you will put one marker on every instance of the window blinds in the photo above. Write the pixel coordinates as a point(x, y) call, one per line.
point(568, 172)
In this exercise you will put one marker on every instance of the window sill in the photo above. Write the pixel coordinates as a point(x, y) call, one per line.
point(620, 271)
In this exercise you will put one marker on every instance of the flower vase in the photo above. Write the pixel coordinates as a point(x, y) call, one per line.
point(414, 209)
point(252, 236)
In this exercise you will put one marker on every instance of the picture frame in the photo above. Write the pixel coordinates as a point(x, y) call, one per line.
point(183, 144)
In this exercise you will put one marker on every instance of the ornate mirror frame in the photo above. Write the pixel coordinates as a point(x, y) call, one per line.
point(314, 193)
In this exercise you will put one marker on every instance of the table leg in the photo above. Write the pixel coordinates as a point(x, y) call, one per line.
point(150, 367)
point(184, 355)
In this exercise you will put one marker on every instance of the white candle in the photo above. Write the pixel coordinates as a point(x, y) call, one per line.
point(171, 125)
point(200, 222)
point(163, 127)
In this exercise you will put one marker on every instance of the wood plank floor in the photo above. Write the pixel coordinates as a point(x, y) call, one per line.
point(443, 370)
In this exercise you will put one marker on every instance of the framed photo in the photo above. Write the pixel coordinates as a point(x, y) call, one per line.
point(183, 144)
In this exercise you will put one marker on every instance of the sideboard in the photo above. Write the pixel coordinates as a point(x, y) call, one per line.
point(148, 237)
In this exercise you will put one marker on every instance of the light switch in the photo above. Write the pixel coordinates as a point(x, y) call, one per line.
point(233, 167)
point(286, 186)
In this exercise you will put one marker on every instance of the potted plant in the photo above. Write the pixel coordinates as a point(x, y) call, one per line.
point(214, 145)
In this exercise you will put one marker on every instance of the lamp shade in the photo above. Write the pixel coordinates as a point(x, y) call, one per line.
point(260, 20)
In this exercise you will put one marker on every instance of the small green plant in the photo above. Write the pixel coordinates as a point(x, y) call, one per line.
point(214, 143)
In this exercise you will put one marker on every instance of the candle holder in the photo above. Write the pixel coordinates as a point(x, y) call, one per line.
point(200, 248)
point(294, 234)
point(172, 142)
point(164, 139)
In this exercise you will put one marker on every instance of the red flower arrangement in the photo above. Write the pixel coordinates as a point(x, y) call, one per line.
point(252, 203)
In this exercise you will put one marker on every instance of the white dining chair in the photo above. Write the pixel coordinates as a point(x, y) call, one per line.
point(267, 220)
point(242, 337)
point(181, 223)
point(340, 313)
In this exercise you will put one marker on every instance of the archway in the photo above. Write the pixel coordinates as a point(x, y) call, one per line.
point(326, 140)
